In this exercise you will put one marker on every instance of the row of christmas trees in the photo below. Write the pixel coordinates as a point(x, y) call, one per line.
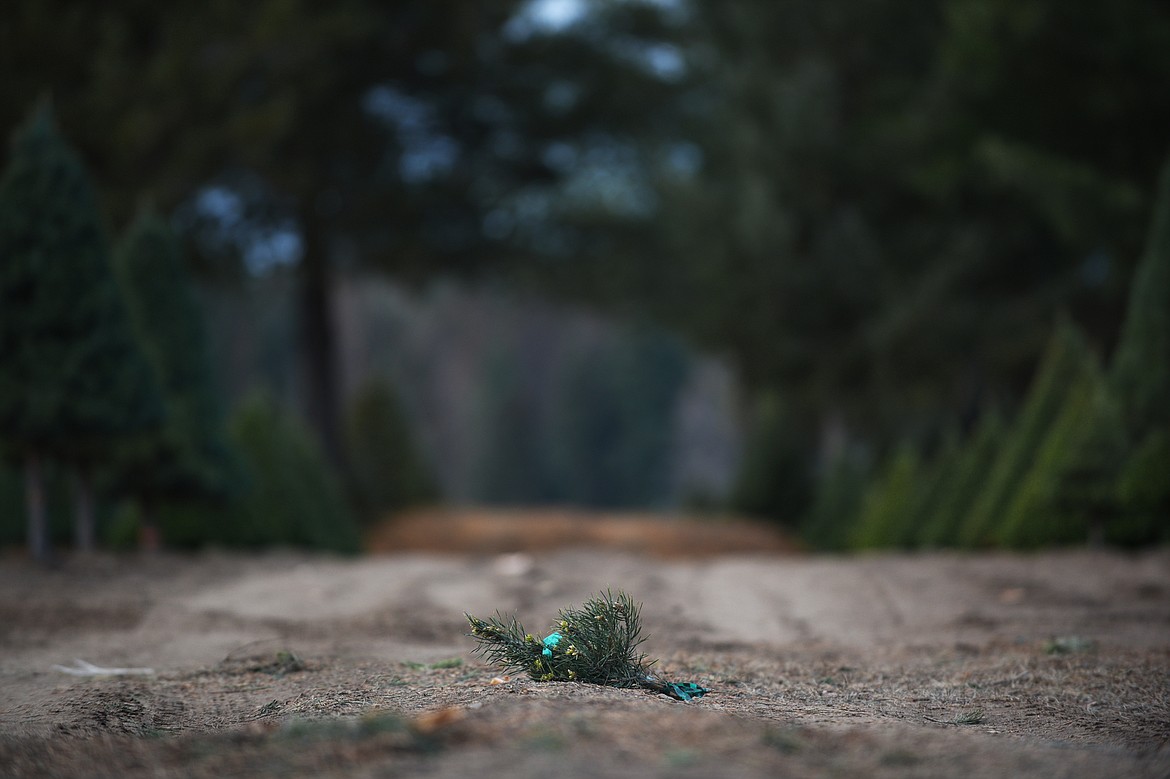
point(107, 383)
point(1086, 459)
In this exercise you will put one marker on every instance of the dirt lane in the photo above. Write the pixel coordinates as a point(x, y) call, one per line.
point(1060, 661)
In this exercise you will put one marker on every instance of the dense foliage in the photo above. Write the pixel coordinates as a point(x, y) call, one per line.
point(1085, 459)
point(74, 380)
point(293, 498)
point(187, 459)
point(387, 470)
point(876, 214)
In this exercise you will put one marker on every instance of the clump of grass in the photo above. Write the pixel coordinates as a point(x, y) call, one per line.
point(973, 717)
point(450, 662)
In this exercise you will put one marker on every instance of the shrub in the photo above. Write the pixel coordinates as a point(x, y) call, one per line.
point(1063, 362)
point(836, 504)
point(774, 478)
point(1143, 494)
point(387, 472)
point(958, 489)
point(293, 497)
point(890, 503)
point(1067, 492)
point(187, 459)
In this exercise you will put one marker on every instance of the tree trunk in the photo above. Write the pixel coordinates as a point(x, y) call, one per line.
point(83, 510)
point(318, 340)
point(34, 495)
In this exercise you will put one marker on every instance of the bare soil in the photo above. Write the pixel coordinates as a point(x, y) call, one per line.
point(282, 664)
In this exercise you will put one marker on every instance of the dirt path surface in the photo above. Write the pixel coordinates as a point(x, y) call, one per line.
point(289, 665)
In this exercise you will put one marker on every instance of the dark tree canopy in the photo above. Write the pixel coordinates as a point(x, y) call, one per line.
point(187, 458)
point(74, 376)
point(875, 212)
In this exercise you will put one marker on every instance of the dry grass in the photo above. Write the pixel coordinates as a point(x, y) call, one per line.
point(1045, 665)
point(530, 530)
point(808, 715)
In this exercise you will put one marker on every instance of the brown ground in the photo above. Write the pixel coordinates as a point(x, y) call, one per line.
point(1055, 664)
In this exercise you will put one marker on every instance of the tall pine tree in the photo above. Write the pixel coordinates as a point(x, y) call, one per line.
point(187, 459)
point(1066, 493)
point(1141, 365)
point(963, 483)
point(890, 500)
point(1140, 376)
point(1063, 362)
point(387, 471)
point(74, 378)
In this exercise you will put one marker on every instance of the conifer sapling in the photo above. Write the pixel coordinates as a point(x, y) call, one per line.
point(596, 644)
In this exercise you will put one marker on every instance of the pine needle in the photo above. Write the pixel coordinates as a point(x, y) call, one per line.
point(596, 644)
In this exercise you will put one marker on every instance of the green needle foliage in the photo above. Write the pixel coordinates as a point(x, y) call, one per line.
point(186, 460)
point(1141, 366)
point(596, 644)
point(387, 471)
point(890, 502)
point(1062, 365)
point(74, 380)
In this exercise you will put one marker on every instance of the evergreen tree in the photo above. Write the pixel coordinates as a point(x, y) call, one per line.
point(932, 491)
point(1141, 364)
point(774, 479)
point(74, 379)
point(1067, 492)
point(1140, 376)
point(1063, 361)
point(292, 497)
point(963, 483)
point(889, 502)
point(611, 426)
point(388, 472)
point(836, 504)
point(1143, 494)
point(186, 460)
point(511, 464)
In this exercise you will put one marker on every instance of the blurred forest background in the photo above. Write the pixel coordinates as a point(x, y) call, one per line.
point(888, 274)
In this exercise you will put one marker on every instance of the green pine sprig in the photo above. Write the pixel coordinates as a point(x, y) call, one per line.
point(597, 644)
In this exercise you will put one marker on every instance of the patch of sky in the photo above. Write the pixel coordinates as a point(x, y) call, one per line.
point(262, 247)
point(614, 189)
point(427, 152)
point(544, 17)
point(664, 61)
point(272, 248)
point(683, 159)
point(560, 156)
point(221, 204)
point(557, 17)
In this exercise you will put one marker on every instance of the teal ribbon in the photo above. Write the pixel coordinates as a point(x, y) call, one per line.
point(549, 642)
point(685, 691)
